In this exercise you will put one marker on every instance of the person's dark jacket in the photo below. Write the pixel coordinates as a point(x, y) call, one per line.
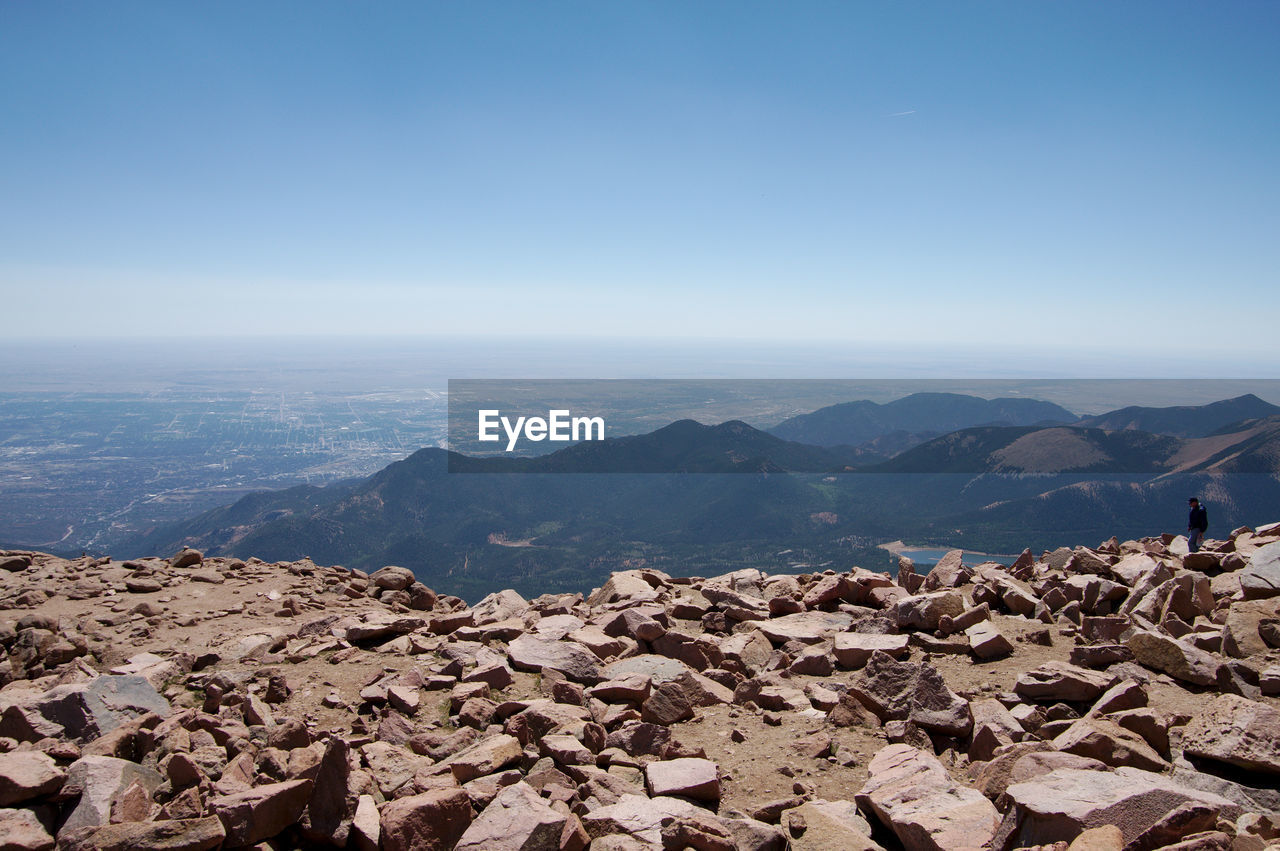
point(1198, 519)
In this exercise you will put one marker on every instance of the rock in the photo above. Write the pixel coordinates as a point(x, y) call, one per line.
point(1182, 821)
point(392, 766)
point(806, 627)
point(498, 606)
point(99, 781)
point(484, 757)
point(1059, 681)
point(261, 812)
point(629, 688)
point(1261, 578)
point(924, 611)
point(1105, 838)
point(25, 775)
point(195, 834)
point(565, 750)
point(703, 833)
point(658, 669)
point(332, 807)
point(1023, 761)
point(1107, 742)
point(1238, 731)
point(828, 825)
point(689, 778)
point(638, 817)
point(624, 585)
point(1178, 659)
point(853, 649)
point(89, 710)
point(1240, 633)
point(187, 557)
point(1126, 694)
point(949, 572)
point(517, 819)
point(912, 794)
point(432, 821)
point(916, 692)
point(529, 653)
point(986, 642)
point(366, 828)
point(666, 705)
point(392, 578)
point(1061, 804)
point(21, 830)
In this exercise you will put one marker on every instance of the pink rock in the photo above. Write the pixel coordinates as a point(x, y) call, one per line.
point(518, 819)
point(27, 774)
point(1238, 731)
point(690, 778)
point(22, 831)
point(432, 821)
point(261, 812)
point(853, 649)
point(1054, 681)
point(1063, 803)
point(912, 794)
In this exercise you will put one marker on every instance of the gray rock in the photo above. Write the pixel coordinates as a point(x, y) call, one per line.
point(1262, 577)
point(88, 710)
point(529, 653)
point(100, 781)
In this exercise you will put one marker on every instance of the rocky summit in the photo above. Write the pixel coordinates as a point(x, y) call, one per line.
point(1119, 697)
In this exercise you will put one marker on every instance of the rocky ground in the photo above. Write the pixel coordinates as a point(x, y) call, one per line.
point(1119, 697)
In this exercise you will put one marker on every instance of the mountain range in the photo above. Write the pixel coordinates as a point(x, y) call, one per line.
point(470, 525)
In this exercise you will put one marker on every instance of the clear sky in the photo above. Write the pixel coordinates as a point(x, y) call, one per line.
point(1090, 176)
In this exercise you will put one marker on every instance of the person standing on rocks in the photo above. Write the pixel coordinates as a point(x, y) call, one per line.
point(1197, 523)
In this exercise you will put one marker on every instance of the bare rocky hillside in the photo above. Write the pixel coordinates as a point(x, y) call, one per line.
point(1119, 697)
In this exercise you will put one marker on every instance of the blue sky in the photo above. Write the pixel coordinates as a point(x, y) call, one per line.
point(1083, 176)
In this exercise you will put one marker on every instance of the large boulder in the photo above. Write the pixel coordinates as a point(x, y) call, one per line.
point(853, 649)
point(819, 824)
point(260, 813)
point(194, 834)
point(1262, 577)
point(924, 611)
point(518, 819)
point(638, 817)
point(22, 830)
point(1238, 731)
point(89, 710)
point(99, 781)
point(27, 774)
point(1176, 658)
point(498, 606)
point(1240, 634)
point(687, 777)
point(530, 653)
point(1060, 805)
point(910, 791)
point(806, 627)
point(433, 821)
point(1054, 681)
point(904, 691)
point(1108, 742)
